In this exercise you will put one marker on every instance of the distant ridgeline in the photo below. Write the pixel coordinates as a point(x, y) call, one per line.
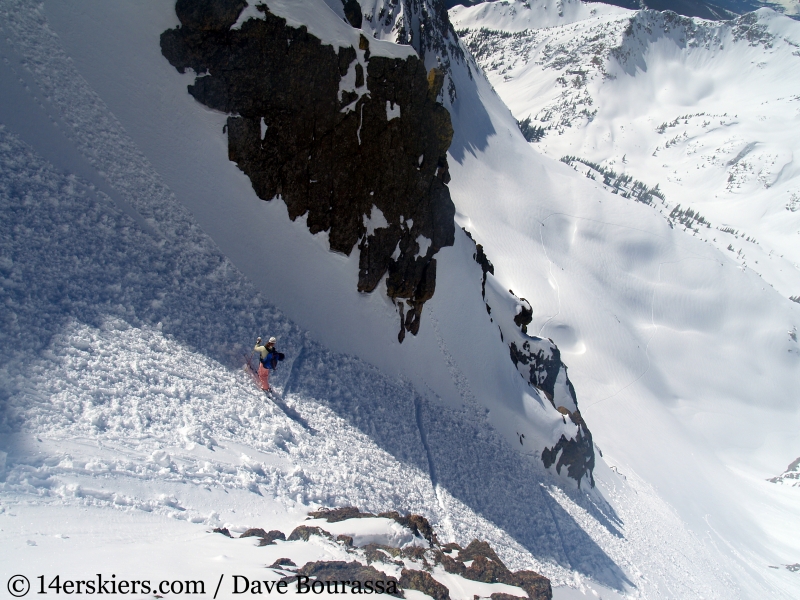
point(716, 10)
point(358, 143)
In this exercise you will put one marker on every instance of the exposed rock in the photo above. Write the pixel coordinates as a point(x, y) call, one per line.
point(347, 540)
point(524, 316)
point(282, 563)
point(543, 359)
point(418, 524)
point(223, 531)
point(577, 454)
point(267, 538)
point(502, 596)
point(486, 570)
point(477, 549)
point(449, 564)
point(789, 477)
point(379, 553)
point(415, 553)
point(303, 532)
point(334, 515)
point(450, 547)
point(537, 586)
point(255, 532)
point(336, 157)
point(423, 582)
point(209, 15)
point(425, 25)
point(538, 360)
point(486, 566)
point(352, 12)
point(348, 571)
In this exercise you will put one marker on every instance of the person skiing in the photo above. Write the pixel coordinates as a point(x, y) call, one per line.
point(268, 359)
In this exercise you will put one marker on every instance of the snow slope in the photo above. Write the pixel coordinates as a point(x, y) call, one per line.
point(123, 405)
point(704, 110)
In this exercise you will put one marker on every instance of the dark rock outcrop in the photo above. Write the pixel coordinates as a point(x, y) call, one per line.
point(334, 515)
point(266, 538)
point(538, 360)
point(303, 532)
point(484, 563)
point(422, 581)
point(282, 563)
point(255, 532)
point(341, 137)
point(380, 553)
point(525, 315)
point(418, 524)
point(537, 586)
point(486, 566)
point(340, 571)
point(502, 596)
point(352, 12)
point(347, 540)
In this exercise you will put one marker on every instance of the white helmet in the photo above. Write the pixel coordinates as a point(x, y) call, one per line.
point(272, 340)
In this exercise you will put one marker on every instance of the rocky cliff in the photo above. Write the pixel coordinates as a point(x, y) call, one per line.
point(538, 361)
point(356, 142)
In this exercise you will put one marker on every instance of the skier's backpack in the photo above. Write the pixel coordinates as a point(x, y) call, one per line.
point(271, 360)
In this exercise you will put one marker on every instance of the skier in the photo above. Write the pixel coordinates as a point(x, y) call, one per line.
point(268, 359)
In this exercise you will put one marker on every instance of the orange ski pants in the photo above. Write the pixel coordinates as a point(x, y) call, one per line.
point(263, 377)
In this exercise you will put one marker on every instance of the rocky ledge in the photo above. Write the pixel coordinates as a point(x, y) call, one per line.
point(414, 566)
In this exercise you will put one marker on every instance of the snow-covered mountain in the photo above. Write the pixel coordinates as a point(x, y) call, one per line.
point(704, 112)
point(140, 261)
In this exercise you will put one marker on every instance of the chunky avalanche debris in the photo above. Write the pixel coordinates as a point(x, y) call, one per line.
point(356, 142)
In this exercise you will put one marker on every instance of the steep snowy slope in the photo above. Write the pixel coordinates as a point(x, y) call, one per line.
point(668, 385)
point(137, 310)
point(433, 425)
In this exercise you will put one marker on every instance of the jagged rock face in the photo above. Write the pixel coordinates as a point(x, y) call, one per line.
point(423, 582)
point(538, 360)
point(485, 566)
point(421, 24)
point(577, 453)
point(358, 143)
point(340, 571)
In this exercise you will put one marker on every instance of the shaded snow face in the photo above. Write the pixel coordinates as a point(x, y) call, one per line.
point(333, 134)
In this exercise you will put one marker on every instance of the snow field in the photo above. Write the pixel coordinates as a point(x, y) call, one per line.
point(702, 109)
